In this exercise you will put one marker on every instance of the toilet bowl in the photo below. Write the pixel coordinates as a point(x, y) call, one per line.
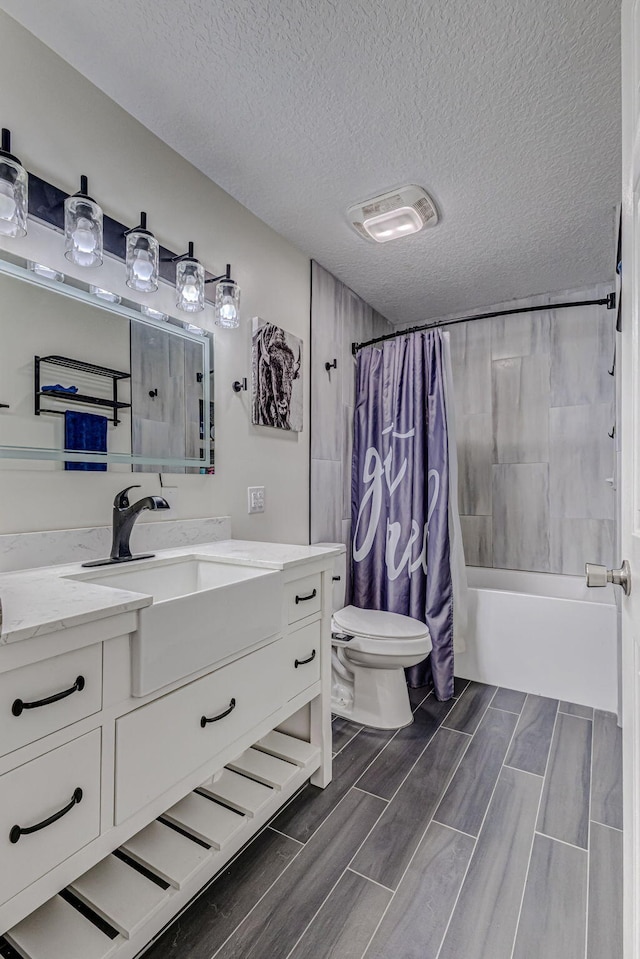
point(370, 650)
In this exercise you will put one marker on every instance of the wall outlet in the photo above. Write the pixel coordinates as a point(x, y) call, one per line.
point(256, 499)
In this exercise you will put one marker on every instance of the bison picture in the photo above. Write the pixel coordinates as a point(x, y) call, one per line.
point(276, 377)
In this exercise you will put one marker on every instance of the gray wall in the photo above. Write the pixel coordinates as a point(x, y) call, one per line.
point(534, 405)
point(338, 317)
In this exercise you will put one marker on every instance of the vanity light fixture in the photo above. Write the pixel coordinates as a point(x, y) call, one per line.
point(14, 190)
point(47, 271)
point(106, 295)
point(83, 228)
point(142, 258)
point(227, 304)
point(189, 282)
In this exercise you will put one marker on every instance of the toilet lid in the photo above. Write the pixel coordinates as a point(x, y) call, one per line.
point(378, 624)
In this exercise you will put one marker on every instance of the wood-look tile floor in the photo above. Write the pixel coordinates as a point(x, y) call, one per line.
point(488, 829)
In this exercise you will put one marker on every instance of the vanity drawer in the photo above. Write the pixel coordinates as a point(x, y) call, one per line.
point(38, 699)
point(159, 744)
point(33, 795)
point(303, 597)
point(302, 659)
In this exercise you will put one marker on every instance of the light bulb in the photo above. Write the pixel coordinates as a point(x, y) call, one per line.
point(7, 202)
point(190, 284)
point(190, 290)
point(228, 311)
point(143, 266)
point(82, 236)
point(83, 229)
point(227, 304)
point(142, 258)
point(14, 191)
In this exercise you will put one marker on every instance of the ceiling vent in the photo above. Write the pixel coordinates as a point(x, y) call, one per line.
point(390, 216)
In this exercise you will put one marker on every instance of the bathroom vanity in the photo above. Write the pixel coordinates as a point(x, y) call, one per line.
point(154, 716)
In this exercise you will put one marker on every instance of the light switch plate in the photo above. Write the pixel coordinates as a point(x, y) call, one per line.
point(256, 499)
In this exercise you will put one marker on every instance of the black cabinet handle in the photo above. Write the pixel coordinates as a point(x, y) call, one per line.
point(19, 704)
point(303, 662)
point(303, 599)
point(214, 719)
point(17, 831)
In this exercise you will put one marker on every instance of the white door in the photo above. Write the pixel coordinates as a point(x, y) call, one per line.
point(630, 467)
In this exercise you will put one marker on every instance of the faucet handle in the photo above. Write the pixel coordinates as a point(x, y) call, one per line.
point(122, 500)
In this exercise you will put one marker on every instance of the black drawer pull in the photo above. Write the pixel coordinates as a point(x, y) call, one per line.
point(303, 599)
point(303, 662)
point(19, 704)
point(214, 719)
point(17, 831)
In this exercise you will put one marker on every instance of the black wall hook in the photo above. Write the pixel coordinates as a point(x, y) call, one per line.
point(153, 393)
point(331, 366)
point(238, 385)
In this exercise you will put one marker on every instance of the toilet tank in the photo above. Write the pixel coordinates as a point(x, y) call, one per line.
point(339, 575)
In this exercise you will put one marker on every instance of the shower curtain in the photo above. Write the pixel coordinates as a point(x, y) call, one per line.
point(406, 541)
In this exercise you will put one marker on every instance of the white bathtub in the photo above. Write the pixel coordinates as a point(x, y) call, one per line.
point(542, 633)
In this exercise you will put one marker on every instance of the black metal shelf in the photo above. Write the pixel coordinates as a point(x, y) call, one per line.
point(83, 399)
point(83, 367)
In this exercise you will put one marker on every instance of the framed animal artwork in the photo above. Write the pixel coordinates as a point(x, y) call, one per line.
point(276, 377)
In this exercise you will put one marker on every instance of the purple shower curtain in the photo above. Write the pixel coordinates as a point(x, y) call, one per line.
point(400, 494)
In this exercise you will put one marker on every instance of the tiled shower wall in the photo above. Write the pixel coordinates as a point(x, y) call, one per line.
point(534, 407)
point(338, 318)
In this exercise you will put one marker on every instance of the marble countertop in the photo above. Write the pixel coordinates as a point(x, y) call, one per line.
point(40, 601)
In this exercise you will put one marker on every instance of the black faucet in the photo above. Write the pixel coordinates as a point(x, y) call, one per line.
point(124, 516)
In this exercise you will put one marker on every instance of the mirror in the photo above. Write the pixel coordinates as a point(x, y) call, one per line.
point(87, 384)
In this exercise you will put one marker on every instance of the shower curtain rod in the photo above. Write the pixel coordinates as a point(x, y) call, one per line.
point(609, 301)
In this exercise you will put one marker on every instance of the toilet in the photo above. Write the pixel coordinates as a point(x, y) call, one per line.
point(370, 650)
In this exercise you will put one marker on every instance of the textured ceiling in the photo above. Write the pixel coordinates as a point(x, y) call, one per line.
point(507, 111)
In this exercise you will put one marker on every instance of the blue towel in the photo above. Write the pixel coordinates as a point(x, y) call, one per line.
point(57, 388)
point(85, 431)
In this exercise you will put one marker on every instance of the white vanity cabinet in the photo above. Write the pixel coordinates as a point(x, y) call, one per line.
point(87, 768)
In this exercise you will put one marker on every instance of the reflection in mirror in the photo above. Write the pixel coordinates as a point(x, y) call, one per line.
point(79, 375)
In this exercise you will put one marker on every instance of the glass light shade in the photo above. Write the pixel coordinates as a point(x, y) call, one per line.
point(142, 261)
point(227, 304)
point(14, 190)
point(190, 285)
point(83, 231)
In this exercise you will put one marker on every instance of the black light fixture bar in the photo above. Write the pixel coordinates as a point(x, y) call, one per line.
point(46, 203)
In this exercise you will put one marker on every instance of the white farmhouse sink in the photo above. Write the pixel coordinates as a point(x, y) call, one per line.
point(203, 611)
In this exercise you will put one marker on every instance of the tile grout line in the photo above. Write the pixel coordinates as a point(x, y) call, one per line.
point(563, 842)
point(316, 913)
point(418, 844)
point(374, 881)
point(367, 793)
point(475, 844)
point(533, 836)
point(258, 901)
point(527, 772)
point(488, 706)
point(607, 826)
point(417, 760)
point(586, 911)
point(453, 828)
point(280, 833)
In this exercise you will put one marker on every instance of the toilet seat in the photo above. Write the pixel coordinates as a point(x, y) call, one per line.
point(378, 624)
point(380, 633)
